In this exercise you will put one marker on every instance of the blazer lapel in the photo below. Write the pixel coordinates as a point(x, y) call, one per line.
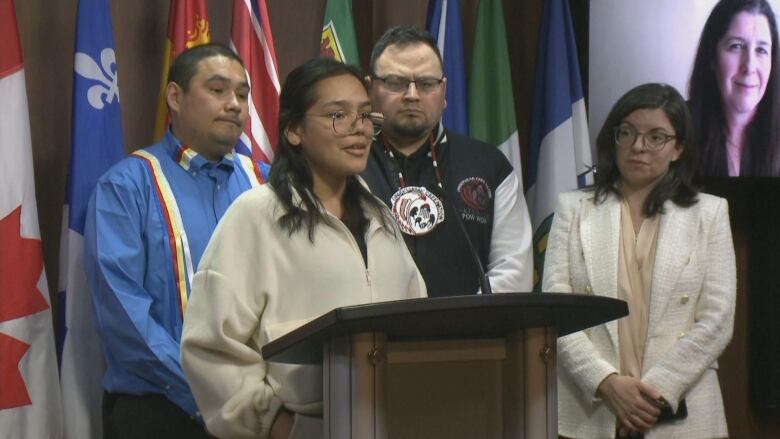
point(600, 228)
point(677, 235)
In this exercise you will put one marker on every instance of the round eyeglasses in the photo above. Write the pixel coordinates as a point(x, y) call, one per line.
point(347, 122)
point(400, 84)
point(653, 140)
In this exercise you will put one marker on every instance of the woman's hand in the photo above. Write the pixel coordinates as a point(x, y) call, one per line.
point(632, 402)
point(282, 425)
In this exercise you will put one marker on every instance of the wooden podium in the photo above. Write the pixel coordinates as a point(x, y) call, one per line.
point(452, 367)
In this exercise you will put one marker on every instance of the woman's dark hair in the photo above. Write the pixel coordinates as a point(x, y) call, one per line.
point(290, 172)
point(677, 184)
point(709, 122)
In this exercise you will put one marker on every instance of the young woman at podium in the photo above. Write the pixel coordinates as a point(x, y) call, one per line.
point(643, 234)
point(312, 239)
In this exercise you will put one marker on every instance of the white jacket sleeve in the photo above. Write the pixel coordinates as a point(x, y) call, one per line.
point(510, 262)
point(577, 355)
point(227, 375)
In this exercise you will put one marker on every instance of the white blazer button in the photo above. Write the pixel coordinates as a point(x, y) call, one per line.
point(588, 289)
point(681, 335)
point(684, 299)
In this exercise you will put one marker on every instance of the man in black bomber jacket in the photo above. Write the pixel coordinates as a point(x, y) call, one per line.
point(423, 172)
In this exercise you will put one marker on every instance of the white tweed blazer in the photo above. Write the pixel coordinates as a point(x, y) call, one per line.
point(691, 315)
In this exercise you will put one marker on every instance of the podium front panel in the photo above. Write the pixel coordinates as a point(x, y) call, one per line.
point(454, 389)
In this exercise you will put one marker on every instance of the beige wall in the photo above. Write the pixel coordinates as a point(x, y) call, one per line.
point(47, 34)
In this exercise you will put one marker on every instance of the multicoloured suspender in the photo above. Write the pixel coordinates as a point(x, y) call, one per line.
point(249, 169)
point(183, 269)
point(177, 236)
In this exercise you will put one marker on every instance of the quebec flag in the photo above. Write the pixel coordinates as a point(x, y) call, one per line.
point(96, 145)
point(559, 147)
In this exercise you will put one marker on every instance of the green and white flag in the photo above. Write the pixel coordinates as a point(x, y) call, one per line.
point(491, 106)
point(338, 33)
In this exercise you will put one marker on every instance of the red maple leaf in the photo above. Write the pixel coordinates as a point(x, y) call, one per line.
point(21, 263)
point(13, 393)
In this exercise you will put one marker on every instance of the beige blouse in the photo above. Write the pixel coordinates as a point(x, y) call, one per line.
point(636, 258)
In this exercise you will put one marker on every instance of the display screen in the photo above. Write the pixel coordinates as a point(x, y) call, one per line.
point(734, 101)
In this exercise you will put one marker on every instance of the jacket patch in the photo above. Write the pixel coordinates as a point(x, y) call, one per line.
point(475, 193)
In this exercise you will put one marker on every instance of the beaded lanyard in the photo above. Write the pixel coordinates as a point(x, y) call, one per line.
point(434, 158)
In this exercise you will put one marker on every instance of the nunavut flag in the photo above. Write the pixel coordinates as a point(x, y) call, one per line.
point(188, 26)
point(29, 389)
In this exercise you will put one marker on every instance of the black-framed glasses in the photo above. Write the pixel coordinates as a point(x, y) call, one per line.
point(347, 122)
point(400, 84)
point(653, 140)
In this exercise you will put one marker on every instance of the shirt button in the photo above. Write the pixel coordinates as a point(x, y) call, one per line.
point(684, 299)
point(588, 289)
point(194, 174)
point(219, 187)
point(167, 387)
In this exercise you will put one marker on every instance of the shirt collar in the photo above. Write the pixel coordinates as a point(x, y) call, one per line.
point(424, 151)
point(190, 160)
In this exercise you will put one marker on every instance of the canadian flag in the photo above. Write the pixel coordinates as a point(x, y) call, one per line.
point(29, 390)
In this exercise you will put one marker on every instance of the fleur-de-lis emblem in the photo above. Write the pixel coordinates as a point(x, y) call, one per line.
point(104, 93)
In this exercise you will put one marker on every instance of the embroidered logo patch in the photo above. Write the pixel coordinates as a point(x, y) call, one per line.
point(475, 193)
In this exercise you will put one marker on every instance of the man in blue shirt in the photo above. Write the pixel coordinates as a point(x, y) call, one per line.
point(147, 225)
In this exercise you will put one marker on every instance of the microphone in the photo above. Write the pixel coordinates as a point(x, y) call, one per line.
point(484, 281)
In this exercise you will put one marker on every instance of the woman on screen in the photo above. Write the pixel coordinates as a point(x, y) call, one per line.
point(311, 240)
point(643, 234)
point(734, 91)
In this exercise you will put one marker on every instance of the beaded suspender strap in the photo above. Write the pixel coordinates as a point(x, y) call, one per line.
point(177, 237)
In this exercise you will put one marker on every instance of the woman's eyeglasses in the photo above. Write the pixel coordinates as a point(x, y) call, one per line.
point(653, 140)
point(347, 122)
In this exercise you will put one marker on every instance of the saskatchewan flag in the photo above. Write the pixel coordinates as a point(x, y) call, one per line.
point(559, 150)
point(338, 33)
point(491, 106)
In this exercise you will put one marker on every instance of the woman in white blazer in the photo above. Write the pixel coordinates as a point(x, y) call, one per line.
point(643, 234)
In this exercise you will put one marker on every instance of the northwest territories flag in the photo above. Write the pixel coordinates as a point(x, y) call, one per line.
point(444, 24)
point(96, 145)
point(559, 149)
point(29, 391)
point(251, 39)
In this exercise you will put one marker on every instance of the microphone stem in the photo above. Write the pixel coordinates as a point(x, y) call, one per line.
point(484, 282)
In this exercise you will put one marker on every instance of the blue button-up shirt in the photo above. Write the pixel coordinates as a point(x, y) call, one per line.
point(127, 259)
